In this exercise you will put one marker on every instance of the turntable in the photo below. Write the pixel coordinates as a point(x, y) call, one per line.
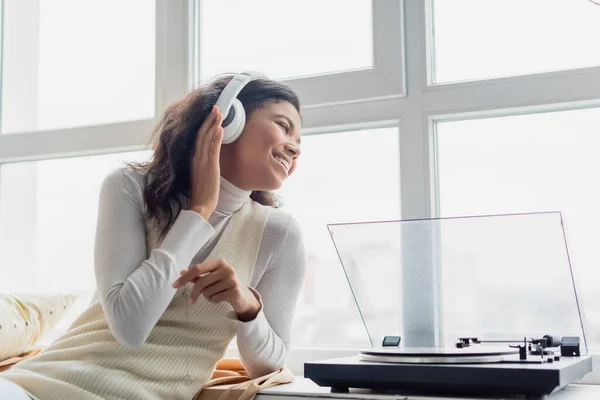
point(507, 279)
point(477, 369)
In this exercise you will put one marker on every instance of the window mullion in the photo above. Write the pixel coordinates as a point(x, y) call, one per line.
point(389, 42)
point(420, 298)
point(172, 52)
point(20, 63)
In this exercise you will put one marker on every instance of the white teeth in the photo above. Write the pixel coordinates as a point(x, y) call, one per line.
point(283, 161)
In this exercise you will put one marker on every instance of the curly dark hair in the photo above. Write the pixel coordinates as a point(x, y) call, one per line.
point(167, 174)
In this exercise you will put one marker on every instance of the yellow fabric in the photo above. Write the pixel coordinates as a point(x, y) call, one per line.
point(9, 362)
point(230, 381)
point(229, 367)
point(24, 318)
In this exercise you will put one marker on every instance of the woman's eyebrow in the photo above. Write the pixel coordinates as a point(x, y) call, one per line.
point(299, 141)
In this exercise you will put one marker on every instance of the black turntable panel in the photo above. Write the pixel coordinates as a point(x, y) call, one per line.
point(507, 377)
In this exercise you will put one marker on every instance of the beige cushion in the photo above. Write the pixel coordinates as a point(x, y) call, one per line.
point(24, 318)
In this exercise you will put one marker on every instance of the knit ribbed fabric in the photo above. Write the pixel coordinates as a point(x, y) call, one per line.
point(89, 363)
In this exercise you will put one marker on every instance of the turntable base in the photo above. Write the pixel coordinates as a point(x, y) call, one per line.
point(530, 379)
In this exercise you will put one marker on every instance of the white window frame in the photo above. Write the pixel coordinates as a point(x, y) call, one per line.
point(525, 94)
point(172, 71)
point(397, 91)
point(385, 80)
point(417, 113)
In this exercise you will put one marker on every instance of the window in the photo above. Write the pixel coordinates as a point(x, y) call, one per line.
point(253, 46)
point(417, 103)
point(60, 71)
point(341, 177)
point(48, 218)
point(482, 39)
point(360, 56)
point(529, 163)
point(41, 226)
point(475, 144)
point(48, 215)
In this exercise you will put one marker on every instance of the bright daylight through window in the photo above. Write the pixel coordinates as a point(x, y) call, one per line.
point(494, 39)
point(61, 72)
point(403, 114)
point(291, 52)
point(535, 162)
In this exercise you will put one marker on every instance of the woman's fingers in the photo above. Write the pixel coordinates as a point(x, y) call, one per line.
point(219, 297)
point(216, 288)
point(205, 281)
point(199, 271)
point(210, 279)
point(204, 166)
point(216, 144)
point(204, 128)
point(210, 137)
point(186, 276)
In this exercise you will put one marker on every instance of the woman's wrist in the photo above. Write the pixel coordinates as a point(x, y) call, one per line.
point(203, 211)
point(252, 309)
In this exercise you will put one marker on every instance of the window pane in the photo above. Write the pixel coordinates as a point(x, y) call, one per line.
point(73, 63)
point(48, 213)
point(284, 39)
point(539, 162)
point(477, 39)
point(341, 177)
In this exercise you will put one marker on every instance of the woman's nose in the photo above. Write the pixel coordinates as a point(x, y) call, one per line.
point(293, 150)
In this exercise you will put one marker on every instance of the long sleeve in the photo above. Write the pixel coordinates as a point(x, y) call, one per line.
point(134, 289)
point(263, 343)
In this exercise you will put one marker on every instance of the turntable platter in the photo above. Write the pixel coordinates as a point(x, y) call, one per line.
point(436, 355)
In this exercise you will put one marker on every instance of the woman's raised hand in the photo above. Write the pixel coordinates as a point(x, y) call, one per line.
point(205, 171)
point(217, 282)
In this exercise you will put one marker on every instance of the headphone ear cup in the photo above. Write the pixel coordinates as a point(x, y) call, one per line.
point(233, 124)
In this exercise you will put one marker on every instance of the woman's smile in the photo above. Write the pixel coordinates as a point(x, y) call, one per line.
point(283, 163)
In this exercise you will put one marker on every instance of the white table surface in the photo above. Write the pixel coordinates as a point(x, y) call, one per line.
point(303, 388)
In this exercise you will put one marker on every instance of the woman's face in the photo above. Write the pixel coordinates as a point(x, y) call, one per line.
point(267, 151)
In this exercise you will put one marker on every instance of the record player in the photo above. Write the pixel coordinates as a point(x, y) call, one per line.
point(504, 318)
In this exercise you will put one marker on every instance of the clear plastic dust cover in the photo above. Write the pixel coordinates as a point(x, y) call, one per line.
point(432, 281)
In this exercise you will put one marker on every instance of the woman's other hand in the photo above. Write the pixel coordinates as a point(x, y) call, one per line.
point(205, 171)
point(217, 282)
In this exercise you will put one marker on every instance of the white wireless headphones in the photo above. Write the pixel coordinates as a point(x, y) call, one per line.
point(231, 108)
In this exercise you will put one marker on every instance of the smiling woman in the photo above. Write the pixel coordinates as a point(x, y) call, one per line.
point(190, 252)
point(270, 142)
point(246, 163)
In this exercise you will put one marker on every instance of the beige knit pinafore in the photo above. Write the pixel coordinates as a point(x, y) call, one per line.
point(179, 356)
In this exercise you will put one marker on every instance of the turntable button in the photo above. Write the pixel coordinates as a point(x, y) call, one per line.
point(391, 341)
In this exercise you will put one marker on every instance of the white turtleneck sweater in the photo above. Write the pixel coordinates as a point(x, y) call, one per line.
point(135, 292)
point(263, 343)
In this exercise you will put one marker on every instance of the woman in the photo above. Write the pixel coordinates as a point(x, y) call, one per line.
point(190, 252)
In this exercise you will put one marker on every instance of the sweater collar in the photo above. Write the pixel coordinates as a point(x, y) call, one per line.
point(231, 197)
